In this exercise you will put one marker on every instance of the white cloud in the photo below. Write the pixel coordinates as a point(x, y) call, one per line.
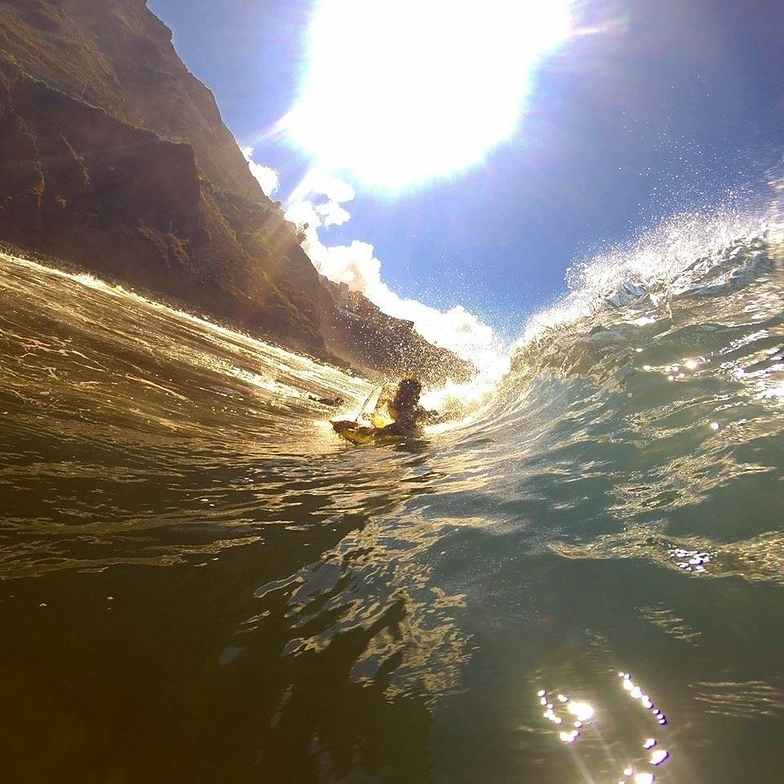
point(266, 176)
point(318, 202)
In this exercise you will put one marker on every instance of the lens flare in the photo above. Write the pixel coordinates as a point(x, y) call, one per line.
point(401, 92)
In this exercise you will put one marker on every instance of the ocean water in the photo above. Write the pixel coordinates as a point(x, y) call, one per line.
point(578, 579)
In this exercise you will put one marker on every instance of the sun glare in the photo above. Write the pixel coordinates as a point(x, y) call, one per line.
point(398, 92)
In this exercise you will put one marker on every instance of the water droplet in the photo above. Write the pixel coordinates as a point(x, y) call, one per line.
point(582, 711)
point(659, 756)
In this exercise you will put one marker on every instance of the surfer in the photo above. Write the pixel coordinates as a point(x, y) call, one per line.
point(404, 410)
point(406, 413)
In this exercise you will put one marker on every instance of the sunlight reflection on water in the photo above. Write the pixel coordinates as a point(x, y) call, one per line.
point(181, 525)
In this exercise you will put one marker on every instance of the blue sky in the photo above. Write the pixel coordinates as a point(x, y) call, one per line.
point(653, 108)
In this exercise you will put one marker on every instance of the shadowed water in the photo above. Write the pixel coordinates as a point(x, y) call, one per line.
point(579, 580)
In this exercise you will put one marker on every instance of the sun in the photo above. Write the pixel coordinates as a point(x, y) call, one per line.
point(400, 92)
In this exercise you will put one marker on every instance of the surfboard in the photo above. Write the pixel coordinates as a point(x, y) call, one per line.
point(362, 434)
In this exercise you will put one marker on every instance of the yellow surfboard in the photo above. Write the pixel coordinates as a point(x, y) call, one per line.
point(362, 434)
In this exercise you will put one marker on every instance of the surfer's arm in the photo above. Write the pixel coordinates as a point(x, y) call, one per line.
point(426, 417)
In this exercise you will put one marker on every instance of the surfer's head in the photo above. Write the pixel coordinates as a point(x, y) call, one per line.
point(407, 394)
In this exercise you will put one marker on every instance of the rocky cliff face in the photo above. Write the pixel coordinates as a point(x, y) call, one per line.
point(113, 156)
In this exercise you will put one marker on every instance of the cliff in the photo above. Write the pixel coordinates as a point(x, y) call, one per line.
point(114, 157)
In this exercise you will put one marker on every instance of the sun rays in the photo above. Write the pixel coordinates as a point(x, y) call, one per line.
point(398, 93)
